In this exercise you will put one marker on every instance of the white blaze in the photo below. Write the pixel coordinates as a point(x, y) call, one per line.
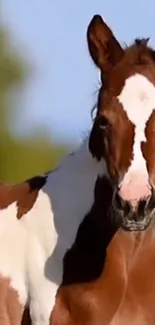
point(138, 101)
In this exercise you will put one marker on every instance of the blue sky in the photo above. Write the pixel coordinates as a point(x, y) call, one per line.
point(51, 33)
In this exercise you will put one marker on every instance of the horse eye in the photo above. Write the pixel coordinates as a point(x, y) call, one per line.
point(103, 122)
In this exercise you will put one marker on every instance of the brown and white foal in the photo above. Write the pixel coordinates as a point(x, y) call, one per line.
point(117, 287)
point(39, 219)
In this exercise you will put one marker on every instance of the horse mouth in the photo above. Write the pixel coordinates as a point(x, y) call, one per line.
point(131, 225)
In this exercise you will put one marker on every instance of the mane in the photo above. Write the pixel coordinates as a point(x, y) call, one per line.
point(93, 111)
point(139, 52)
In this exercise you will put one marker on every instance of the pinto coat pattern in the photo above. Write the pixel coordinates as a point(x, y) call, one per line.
point(122, 288)
point(39, 219)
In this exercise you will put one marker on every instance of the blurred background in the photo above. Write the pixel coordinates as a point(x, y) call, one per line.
point(48, 84)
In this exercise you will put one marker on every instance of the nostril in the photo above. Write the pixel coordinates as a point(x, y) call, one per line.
point(141, 207)
point(119, 203)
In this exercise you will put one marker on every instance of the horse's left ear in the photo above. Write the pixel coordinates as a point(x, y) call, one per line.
point(104, 48)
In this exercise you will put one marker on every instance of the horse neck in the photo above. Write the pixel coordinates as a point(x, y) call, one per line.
point(71, 187)
point(84, 262)
point(129, 245)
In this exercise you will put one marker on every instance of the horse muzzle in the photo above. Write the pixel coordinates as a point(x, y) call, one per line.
point(137, 216)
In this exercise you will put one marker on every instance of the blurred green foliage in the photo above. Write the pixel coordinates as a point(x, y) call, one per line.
point(19, 159)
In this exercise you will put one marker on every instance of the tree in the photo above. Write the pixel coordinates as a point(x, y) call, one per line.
point(19, 159)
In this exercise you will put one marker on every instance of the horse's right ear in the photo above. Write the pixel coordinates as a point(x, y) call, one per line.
point(104, 48)
point(96, 145)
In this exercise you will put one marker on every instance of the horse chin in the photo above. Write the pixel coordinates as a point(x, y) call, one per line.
point(131, 225)
point(129, 222)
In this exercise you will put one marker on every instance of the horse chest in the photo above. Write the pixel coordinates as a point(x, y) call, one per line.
point(137, 306)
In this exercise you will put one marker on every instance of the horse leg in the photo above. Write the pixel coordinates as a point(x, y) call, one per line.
point(41, 289)
point(41, 302)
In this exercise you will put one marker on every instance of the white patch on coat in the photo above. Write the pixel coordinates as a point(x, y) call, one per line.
point(32, 248)
point(138, 101)
point(13, 238)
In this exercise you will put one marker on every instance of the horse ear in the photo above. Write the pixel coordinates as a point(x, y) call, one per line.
point(104, 48)
point(96, 145)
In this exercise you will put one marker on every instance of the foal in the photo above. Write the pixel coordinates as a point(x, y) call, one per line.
point(39, 219)
point(117, 288)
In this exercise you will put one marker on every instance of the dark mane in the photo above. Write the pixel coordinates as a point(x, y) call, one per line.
point(93, 111)
point(139, 53)
point(142, 41)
